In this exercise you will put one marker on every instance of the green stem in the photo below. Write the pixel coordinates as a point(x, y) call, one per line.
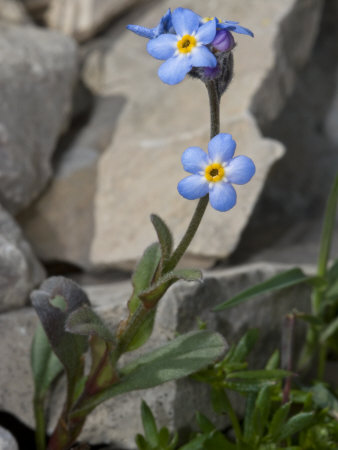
point(233, 418)
point(214, 104)
point(40, 424)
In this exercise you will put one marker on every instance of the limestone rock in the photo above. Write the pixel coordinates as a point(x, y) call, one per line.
point(84, 18)
point(174, 404)
point(20, 271)
point(7, 441)
point(36, 83)
point(12, 11)
point(156, 124)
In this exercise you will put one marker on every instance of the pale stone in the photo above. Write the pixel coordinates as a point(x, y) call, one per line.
point(174, 404)
point(82, 19)
point(20, 271)
point(36, 91)
point(12, 11)
point(141, 164)
point(7, 441)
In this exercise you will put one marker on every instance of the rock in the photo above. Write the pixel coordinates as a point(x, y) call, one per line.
point(174, 404)
point(20, 271)
point(332, 117)
point(12, 11)
point(156, 124)
point(7, 441)
point(82, 19)
point(38, 76)
point(36, 7)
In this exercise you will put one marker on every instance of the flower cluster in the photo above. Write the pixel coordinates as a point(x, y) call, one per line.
point(215, 173)
point(187, 41)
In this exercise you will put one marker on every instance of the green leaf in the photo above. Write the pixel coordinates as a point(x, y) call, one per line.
point(179, 358)
point(239, 353)
point(273, 361)
point(149, 425)
point(205, 425)
point(56, 299)
point(328, 228)
point(297, 423)
point(164, 236)
point(263, 404)
point(156, 291)
point(249, 428)
point(143, 333)
point(260, 374)
point(246, 386)
point(141, 442)
point(144, 273)
point(323, 398)
point(85, 321)
point(281, 281)
point(278, 420)
point(46, 367)
point(330, 330)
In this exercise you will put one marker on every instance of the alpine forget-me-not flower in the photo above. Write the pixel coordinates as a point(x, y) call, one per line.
point(185, 49)
point(215, 173)
point(165, 26)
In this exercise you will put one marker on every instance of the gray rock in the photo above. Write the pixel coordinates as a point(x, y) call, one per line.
point(82, 19)
point(7, 441)
point(20, 271)
point(36, 82)
point(174, 404)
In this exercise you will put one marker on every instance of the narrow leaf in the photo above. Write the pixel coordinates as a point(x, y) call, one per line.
point(149, 425)
point(330, 330)
point(164, 236)
point(85, 321)
point(144, 273)
point(296, 424)
point(278, 420)
point(328, 227)
point(247, 386)
point(260, 374)
point(179, 358)
point(45, 365)
point(239, 353)
point(281, 281)
point(151, 295)
point(143, 333)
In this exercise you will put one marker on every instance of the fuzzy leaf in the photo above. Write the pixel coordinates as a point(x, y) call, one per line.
point(151, 295)
point(164, 236)
point(281, 281)
point(177, 359)
point(297, 423)
point(149, 424)
point(143, 333)
point(278, 420)
point(260, 374)
point(86, 322)
point(45, 365)
point(240, 351)
point(56, 299)
point(247, 386)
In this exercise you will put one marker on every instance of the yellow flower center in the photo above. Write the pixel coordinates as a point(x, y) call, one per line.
point(214, 172)
point(207, 19)
point(186, 44)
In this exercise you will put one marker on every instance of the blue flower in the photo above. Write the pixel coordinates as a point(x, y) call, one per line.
point(214, 173)
point(165, 26)
point(185, 49)
point(233, 26)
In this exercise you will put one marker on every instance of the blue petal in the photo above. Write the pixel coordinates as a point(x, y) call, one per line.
point(206, 32)
point(194, 160)
point(202, 57)
point(174, 69)
point(232, 26)
point(162, 47)
point(185, 21)
point(222, 196)
point(240, 170)
point(165, 24)
point(221, 148)
point(142, 31)
point(193, 187)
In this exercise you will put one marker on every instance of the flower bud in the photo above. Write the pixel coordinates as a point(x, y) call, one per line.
point(223, 42)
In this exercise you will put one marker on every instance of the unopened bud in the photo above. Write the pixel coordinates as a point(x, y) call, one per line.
point(223, 42)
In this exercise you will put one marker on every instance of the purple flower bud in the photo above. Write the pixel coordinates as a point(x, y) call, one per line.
point(224, 41)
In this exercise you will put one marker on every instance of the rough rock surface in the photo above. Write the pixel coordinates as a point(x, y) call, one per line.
point(84, 18)
point(20, 271)
point(12, 11)
point(36, 83)
point(173, 403)
point(7, 441)
point(158, 122)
